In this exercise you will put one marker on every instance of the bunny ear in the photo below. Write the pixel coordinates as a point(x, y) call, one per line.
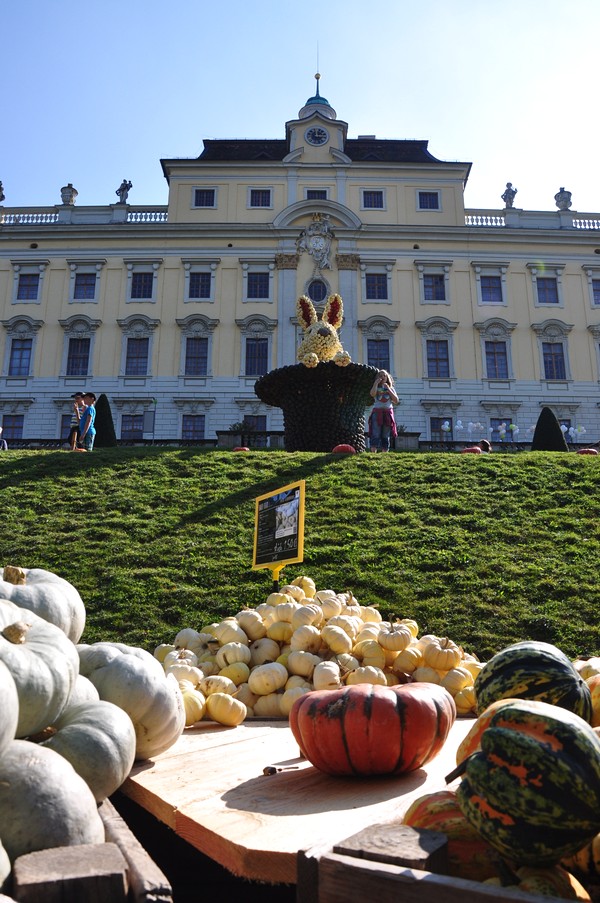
point(334, 311)
point(305, 311)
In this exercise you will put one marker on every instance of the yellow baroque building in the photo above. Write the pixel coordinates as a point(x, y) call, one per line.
point(482, 316)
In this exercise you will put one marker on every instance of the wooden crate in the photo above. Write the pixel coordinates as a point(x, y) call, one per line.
point(117, 871)
point(362, 867)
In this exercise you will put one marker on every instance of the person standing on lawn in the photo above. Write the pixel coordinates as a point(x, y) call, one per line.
point(78, 407)
point(382, 425)
point(87, 430)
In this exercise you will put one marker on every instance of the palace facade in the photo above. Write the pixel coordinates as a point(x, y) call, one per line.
point(482, 316)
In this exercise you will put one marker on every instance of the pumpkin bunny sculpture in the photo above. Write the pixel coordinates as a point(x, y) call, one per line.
point(321, 341)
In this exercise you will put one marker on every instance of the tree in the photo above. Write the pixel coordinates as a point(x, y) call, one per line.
point(548, 435)
point(105, 428)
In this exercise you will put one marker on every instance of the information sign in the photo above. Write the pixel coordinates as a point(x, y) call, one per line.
point(279, 527)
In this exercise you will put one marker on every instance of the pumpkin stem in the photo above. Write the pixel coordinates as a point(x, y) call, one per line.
point(460, 769)
point(15, 575)
point(16, 633)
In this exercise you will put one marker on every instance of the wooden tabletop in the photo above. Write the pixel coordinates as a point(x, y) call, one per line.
point(211, 790)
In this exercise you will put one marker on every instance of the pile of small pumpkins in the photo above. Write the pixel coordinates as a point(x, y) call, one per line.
point(74, 717)
point(258, 662)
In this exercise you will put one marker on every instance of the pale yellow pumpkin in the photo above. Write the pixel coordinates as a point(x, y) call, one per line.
point(370, 614)
point(367, 675)
point(231, 653)
point(245, 695)
point(194, 703)
point(238, 672)
point(370, 653)
point(396, 637)
point(263, 651)
point(225, 709)
point(426, 674)
point(327, 676)
point(302, 663)
point(306, 639)
point(465, 700)
point(268, 706)
point(336, 639)
point(216, 684)
point(296, 592)
point(307, 615)
point(251, 623)
point(456, 679)
point(267, 678)
point(177, 656)
point(307, 585)
point(280, 631)
point(289, 697)
point(161, 651)
point(296, 680)
point(442, 653)
point(229, 631)
point(408, 660)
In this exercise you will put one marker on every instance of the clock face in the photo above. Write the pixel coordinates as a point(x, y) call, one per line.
point(316, 135)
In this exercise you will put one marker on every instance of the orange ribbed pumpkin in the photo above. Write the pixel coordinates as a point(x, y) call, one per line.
point(368, 729)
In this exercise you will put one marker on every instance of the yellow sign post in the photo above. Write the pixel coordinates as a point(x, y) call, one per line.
point(279, 528)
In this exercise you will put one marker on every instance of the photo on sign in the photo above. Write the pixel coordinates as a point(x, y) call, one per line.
point(279, 527)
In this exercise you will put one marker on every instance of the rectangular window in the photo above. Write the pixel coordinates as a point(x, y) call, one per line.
point(316, 194)
point(204, 197)
point(372, 200)
point(20, 357)
point(547, 290)
point(491, 290)
point(257, 350)
point(554, 360)
point(12, 426)
point(376, 286)
point(200, 285)
point(496, 360)
point(193, 426)
point(65, 426)
point(438, 359)
point(85, 287)
point(141, 285)
point(78, 357)
point(258, 285)
point(429, 200)
point(434, 287)
point(260, 197)
point(441, 429)
point(28, 287)
point(136, 361)
point(378, 353)
point(254, 423)
point(196, 356)
point(596, 290)
point(132, 427)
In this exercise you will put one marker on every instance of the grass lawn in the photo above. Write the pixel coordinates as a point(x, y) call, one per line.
point(485, 549)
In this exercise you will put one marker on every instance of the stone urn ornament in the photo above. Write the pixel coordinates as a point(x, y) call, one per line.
point(563, 199)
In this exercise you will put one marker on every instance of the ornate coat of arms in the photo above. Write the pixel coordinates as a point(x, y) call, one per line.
point(316, 241)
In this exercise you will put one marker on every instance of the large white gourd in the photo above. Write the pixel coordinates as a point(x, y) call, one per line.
point(48, 595)
point(135, 681)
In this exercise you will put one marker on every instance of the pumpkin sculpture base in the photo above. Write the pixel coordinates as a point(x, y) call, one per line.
point(322, 406)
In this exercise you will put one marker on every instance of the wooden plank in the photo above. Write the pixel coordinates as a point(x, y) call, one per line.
point(91, 872)
point(147, 883)
point(343, 878)
point(399, 844)
point(211, 789)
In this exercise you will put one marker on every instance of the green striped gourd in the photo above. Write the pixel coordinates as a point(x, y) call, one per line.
point(533, 670)
point(533, 790)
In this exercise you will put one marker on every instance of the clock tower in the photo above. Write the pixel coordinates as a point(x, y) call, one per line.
point(316, 129)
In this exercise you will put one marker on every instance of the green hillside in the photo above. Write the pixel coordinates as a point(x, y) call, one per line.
point(485, 549)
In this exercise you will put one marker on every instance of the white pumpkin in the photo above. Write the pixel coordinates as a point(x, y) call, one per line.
point(5, 870)
point(44, 803)
point(98, 739)
point(47, 595)
point(10, 711)
point(43, 664)
point(134, 680)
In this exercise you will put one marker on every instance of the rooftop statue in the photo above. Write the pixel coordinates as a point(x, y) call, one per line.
point(123, 190)
point(2, 195)
point(509, 195)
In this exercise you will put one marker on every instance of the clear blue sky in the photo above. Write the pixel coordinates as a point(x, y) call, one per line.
point(94, 91)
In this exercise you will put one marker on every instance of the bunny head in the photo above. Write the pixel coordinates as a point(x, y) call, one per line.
point(321, 341)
